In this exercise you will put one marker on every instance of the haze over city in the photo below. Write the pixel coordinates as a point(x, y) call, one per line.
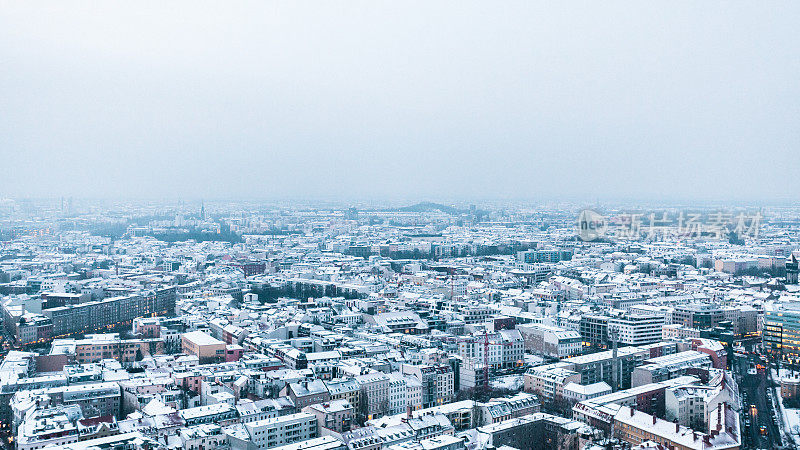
point(401, 100)
point(399, 225)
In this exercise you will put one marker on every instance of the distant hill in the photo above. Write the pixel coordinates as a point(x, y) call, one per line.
point(430, 206)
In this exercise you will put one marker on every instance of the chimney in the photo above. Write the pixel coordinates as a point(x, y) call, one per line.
point(677, 427)
point(632, 411)
point(654, 420)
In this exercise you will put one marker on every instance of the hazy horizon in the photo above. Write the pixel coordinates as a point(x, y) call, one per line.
point(411, 101)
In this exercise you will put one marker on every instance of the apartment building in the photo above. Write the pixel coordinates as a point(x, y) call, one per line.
point(471, 314)
point(374, 394)
point(544, 256)
point(406, 322)
point(49, 427)
point(91, 399)
point(218, 413)
point(307, 392)
point(336, 415)
point(109, 312)
point(635, 427)
point(94, 399)
point(502, 408)
point(253, 410)
point(691, 406)
point(654, 310)
point(438, 382)
point(25, 326)
point(714, 349)
point(273, 432)
point(575, 392)
point(551, 341)
point(678, 332)
point(206, 436)
point(398, 402)
point(548, 381)
point(636, 329)
point(698, 315)
point(538, 431)
point(413, 392)
point(597, 367)
point(505, 349)
point(344, 389)
point(744, 319)
point(318, 443)
point(147, 327)
point(109, 346)
point(667, 367)
point(138, 392)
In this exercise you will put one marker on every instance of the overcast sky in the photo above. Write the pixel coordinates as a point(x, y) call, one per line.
point(427, 100)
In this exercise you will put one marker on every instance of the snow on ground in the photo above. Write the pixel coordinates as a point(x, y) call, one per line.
point(790, 419)
point(784, 373)
point(513, 382)
point(533, 360)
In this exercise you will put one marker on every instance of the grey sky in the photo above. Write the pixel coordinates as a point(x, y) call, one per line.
point(400, 99)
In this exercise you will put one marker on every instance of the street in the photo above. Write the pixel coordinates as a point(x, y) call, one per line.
point(757, 405)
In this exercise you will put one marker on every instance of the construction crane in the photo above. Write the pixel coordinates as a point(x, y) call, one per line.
point(486, 343)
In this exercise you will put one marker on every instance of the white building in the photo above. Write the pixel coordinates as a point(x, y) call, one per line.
point(636, 329)
point(575, 393)
point(691, 405)
point(551, 341)
point(678, 331)
point(506, 348)
point(51, 426)
point(549, 381)
point(398, 400)
point(207, 435)
point(413, 393)
point(273, 432)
